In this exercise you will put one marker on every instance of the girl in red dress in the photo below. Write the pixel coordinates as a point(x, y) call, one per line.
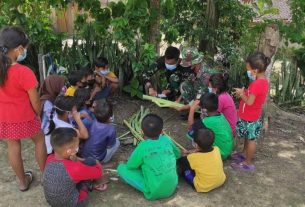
point(19, 103)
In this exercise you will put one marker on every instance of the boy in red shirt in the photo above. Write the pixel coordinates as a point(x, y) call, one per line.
point(249, 125)
point(66, 179)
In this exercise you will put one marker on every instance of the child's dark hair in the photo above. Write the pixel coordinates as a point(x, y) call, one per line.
point(62, 136)
point(258, 61)
point(10, 38)
point(101, 62)
point(220, 81)
point(103, 110)
point(152, 126)
point(204, 138)
point(87, 71)
point(209, 101)
point(81, 95)
point(75, 76)
point(172, 53)
point(62, 105)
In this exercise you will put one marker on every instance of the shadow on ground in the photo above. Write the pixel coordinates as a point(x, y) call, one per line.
point(279, 179)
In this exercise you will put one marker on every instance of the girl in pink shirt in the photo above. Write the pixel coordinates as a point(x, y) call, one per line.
point(218, 84)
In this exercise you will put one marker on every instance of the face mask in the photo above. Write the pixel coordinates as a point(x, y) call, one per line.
point(210, 90)
point(104, 72)
point(22, 57)
point(84, 84)
point(91, 82)
point(170, 67)
point(250, 76)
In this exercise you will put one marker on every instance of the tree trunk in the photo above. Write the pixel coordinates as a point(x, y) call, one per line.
point(269, 43)
point(212, 19)
point(154, 29)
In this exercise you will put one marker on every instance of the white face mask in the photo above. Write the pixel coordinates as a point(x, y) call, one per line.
point(170, 67)
point(250, 76)
point(22, 56)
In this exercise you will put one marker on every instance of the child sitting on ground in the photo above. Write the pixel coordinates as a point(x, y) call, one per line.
point(218, 84)
point(67, 180)
point(214, 121)
point(107, 81)
point(77, 79)
point(66, 113)
point(82, 96)
point(103, 142)
point(203, 169)
point(151, 168)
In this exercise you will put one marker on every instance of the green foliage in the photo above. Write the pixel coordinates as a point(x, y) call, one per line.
point(33, 17)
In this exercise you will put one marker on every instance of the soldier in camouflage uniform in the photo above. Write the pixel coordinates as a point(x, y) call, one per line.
point(167, 67)
point(197, 84)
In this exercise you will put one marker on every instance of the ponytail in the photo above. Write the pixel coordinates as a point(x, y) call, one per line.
point(5, 63)
point(10, 38)
point(52, 123)
point(258, 61)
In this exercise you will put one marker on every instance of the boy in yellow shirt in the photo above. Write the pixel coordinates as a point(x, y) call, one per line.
point(203, 167)
point(77, 79)
point(107, 81)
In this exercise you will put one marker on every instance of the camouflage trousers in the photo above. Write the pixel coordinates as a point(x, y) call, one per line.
point(189, 90)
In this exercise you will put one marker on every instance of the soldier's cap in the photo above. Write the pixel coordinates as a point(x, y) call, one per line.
point(190, 56)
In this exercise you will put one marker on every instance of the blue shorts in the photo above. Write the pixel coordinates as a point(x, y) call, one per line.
point(104, 93)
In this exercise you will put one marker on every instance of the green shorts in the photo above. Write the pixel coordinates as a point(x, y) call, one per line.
point(249, 129)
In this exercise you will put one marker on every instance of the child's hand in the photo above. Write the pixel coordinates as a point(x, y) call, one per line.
point(239, 91)
point(76, 115)
point(195, 105)
point(152, 92)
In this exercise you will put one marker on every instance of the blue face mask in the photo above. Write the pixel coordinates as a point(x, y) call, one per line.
point(210, 90)
point(104, 72)
point(250, 76)
point(170, 67)
point(22, 57)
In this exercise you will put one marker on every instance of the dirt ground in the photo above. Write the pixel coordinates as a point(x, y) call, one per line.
point(279, 179)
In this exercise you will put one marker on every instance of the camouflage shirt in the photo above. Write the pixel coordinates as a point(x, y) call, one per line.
point(172, 78)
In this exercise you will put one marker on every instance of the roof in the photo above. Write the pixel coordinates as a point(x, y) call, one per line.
point(284, 11)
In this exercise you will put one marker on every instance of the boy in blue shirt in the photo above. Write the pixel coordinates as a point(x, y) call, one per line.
point(103, 142)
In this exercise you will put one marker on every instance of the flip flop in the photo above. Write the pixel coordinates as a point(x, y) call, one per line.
point(30, 175)
point(100, 187)
point(238, 157)
point(242, 166)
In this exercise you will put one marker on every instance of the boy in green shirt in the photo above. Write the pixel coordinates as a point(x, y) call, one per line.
point(151, 168)
point(214, 121)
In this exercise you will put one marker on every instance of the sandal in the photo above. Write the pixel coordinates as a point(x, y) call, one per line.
point(101, 187)
point(238, 157)
point(30, 175)
point(242, 166)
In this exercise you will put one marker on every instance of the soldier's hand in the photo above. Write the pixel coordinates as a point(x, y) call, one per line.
point(152, 92)
point(166, 92)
